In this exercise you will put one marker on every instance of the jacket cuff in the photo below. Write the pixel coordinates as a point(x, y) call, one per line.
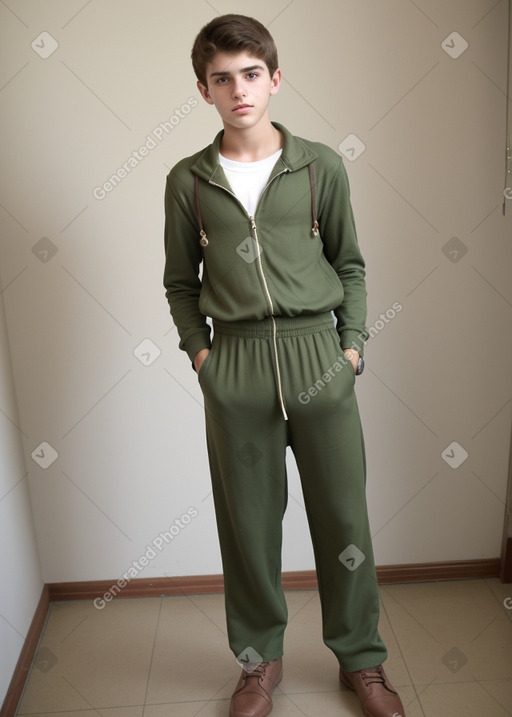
point(354, 340)
point(196, 342)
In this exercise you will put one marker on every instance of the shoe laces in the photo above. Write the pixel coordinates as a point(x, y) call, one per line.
point(258, 671)
point(374, 674)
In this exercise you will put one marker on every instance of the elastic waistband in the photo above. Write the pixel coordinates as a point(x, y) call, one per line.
point(285, 326)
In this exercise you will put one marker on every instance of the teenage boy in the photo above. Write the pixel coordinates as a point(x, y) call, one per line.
point(269, 217)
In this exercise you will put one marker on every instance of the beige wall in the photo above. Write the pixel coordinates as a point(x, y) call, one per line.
point(20, 571)
point(81, 269)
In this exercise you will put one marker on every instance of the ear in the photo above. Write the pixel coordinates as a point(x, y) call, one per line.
point(275, 81)
point(204, 92)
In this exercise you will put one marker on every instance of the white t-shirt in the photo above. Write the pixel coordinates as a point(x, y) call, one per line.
point(248, 179)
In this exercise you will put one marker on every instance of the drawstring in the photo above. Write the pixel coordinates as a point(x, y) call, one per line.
point(312, 184)
point(203, 239)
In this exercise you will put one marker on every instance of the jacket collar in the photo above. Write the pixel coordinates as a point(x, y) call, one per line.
point(295, 155)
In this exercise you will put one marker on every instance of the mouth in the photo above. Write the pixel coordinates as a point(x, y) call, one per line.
point(242, 108)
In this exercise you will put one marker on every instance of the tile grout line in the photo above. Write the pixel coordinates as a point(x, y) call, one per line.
point(402, 657)
point(152, 656)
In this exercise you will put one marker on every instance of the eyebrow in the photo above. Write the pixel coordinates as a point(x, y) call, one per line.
point(243, 70)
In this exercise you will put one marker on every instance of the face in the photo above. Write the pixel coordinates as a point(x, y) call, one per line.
point(240, 87)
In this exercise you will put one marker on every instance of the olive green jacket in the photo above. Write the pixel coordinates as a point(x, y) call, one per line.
point(271, 264)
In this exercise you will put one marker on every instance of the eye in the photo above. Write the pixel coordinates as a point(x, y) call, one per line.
point(252, 75)
point(221, 81)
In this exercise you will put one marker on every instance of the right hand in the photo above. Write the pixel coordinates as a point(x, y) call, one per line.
point(199, 358)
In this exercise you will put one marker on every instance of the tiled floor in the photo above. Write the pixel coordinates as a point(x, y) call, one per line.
point(450, 655)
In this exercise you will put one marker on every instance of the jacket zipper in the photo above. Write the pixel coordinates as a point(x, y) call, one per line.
point(274, 326)
point(265, 286)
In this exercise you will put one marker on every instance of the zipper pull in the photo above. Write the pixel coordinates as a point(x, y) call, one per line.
point(204, 239)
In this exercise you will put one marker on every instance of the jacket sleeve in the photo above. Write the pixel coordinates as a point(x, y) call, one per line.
point(337, 228)
point(183, 257)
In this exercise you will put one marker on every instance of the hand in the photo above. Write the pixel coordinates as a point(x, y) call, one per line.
point(353, 357)
point(199, 358)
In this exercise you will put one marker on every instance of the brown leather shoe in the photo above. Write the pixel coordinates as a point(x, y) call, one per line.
point(377, 695)
point(253, 694)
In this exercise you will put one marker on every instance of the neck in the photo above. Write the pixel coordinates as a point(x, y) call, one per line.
point(251, 144)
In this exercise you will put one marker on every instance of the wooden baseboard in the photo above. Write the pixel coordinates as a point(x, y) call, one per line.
point(506, 563)
point(429, 572)
point(101, 590)
point(26, 655)
point(139, 587)
point(106, 590)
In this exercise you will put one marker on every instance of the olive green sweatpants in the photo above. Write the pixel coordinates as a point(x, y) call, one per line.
point(267, 385)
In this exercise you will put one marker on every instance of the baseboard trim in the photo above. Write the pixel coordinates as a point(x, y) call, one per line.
point(27, 653)
point(204, 584)
point(506, 563)
point(139, 587)
point(106, 590)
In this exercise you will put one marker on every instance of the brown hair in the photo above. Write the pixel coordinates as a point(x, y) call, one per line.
point(233, 33)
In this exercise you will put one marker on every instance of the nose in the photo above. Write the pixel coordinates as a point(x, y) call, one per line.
point(238, 89)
